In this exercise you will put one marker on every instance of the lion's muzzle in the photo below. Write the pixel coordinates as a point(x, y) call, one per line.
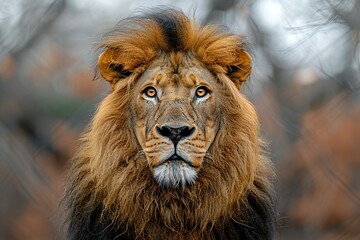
point(173, 154)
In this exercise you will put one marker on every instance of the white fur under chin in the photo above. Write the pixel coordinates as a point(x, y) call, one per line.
point(174, 174)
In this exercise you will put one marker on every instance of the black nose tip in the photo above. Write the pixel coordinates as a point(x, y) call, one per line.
point(175, 134)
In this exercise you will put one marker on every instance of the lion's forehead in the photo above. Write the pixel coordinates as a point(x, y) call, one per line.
point(187, 73)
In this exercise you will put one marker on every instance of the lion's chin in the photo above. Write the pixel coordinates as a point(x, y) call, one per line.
point(174, 174)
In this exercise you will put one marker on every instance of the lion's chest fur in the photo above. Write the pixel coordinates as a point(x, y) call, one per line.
point(204, 211)
point(178, 220)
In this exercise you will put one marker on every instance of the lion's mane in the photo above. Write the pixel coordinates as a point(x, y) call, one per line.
point(111, 192)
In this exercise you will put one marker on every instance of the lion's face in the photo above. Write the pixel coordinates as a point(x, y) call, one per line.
point(174, 72)
point(175, 119)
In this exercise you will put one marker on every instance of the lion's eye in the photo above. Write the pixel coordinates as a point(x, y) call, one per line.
point(150, 92)
point(202, 92)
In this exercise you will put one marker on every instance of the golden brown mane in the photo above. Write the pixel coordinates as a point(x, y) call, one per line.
point(110, 187)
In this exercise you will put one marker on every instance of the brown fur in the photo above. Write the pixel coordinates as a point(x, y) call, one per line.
point(109, 169)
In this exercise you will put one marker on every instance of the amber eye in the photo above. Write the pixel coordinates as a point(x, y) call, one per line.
point(150, 92)
point(202, 92)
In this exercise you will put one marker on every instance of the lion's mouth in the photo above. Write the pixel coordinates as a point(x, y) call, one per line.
point(177, 159)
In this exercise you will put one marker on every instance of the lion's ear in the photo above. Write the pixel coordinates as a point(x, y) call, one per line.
point(240, 70)
point(111, 67)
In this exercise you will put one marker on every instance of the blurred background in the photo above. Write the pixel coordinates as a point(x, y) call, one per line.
point(305, 86)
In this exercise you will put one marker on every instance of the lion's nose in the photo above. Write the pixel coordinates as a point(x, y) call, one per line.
point(175, 134)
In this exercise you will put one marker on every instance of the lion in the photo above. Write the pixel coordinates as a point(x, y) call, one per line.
point(173, 151)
